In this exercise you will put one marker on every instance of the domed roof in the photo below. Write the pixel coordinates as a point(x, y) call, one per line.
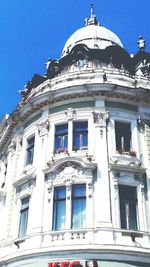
point(93, 36)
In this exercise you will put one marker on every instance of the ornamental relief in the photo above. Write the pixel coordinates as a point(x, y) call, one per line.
point(100, 118)
point(70, 114)
point(43, 127)
point(67, 176)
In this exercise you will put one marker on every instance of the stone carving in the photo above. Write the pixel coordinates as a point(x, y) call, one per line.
point(70, 113)
point(43, 127)
point(100, 118)
point(12, 147)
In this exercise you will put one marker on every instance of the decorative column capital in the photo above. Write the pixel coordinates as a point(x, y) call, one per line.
point(100, 118)
point(70, 114)
point(12, 147)
point(43, 127)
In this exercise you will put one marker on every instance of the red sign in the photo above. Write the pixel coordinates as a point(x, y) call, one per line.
point(64, 264)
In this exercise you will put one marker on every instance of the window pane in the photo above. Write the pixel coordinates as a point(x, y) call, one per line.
point(61, 137)
point(24, 216)
point(123, 136)
point(78, 206)
point(128, 207)
point(30, 150)
point(59, 208)
point(80, 135)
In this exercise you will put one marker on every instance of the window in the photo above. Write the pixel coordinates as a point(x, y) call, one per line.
point(30, 150)
point(61, 138)
point(76, 215)
point(80, 135)
point(24, 216)
point(123, 136)
point(59, 212)
point(128, 207)
point(78, 206)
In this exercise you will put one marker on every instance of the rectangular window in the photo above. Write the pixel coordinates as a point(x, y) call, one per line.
point(30, 150)
point(61, 138)
point(123, 136)
point(78, 206)
point(59, 212)
point(128, 207)
point(80, 135)
point(24, 216)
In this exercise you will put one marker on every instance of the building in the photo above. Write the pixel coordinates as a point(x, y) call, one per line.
point(75, 159)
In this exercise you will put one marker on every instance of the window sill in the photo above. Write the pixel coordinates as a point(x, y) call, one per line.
point(125, 159)
point(132, 233)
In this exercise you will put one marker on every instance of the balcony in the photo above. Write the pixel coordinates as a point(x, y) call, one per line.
point(105, 239)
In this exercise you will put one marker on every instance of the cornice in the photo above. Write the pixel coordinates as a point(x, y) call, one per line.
point(133, 169)
point(87, 84)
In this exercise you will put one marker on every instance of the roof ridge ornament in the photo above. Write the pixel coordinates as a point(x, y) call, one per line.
point(141, 43)
point(92, 20)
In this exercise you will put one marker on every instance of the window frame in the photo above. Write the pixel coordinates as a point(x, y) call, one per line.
point(128, 221)
point(23, 218)
point(62, 136)
point(123, 143)
point(74, 199)
point(79, 135)
point(30, 150)
point(56, 201)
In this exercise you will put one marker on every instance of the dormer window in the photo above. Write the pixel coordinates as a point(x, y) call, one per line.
point(123, 136)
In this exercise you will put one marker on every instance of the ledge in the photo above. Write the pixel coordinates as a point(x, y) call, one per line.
point(26, 176)
point(127, 168)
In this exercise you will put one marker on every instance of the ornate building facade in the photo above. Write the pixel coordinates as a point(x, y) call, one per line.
point(75, 159)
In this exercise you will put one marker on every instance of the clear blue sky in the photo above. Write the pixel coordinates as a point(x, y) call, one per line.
point(31, 31)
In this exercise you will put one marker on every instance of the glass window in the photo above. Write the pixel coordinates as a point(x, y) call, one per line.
point(61, 138)
point(123, 136)
point(30, 150)
point(128, 207)
point(24, 216)
point(78, 206)
point(80, 135)
point(59, 212)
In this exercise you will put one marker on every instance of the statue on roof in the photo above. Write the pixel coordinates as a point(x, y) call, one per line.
point(141, 43)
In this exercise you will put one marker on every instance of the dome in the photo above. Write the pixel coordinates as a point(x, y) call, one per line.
point(93, 36)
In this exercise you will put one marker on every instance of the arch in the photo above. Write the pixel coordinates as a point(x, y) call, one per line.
point(71, 161)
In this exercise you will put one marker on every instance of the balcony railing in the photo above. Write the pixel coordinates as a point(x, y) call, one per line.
point(103, 238)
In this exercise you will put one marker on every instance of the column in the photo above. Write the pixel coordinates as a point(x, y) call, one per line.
point(102, 186)
point(41, 146)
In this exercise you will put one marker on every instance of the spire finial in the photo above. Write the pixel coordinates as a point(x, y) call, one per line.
point(92, 20)
point(92, 10)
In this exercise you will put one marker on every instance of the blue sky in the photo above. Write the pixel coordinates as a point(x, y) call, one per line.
point(31, 31)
